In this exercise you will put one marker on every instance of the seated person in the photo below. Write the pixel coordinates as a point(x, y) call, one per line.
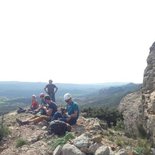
point(40, 110)
point(50, 109)
point(42, 99)
point(34, 104)
point(72, 109)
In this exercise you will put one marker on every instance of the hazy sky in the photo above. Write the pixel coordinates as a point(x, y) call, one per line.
point(81, 41)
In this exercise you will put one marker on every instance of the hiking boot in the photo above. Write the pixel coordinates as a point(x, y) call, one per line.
point(21, 122)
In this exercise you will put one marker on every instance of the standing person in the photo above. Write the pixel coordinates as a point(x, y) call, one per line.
point(51, 89)
point(72, 109)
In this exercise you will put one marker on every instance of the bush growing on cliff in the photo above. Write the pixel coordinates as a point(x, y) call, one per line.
point(4, 130)
point(142, 132)
point(62, 140)
point(20, 142)
point(110, 115)
point(143, 147)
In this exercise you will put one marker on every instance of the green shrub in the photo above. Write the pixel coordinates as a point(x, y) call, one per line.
point(111, 138)
point(119, 126)
point(20, 142)
point(143, 147)
point(62, 140)
point(4, 131)
point(142, 132)
point(138, 150)
point(108, 114)
point(120, 142)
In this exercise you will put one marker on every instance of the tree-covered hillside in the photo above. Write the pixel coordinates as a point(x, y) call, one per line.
point(26, 89)
point(13, 94)
point(109, 96)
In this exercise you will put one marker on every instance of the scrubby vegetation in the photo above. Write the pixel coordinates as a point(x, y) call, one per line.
point(114, 119)
point(143, 147)
point(61, 140)
point(4, 130)
point(20, 142)
point(13, 94)
point(110, 115)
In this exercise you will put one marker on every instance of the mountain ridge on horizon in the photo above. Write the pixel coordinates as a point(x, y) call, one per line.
point(16, 94)
point(91, 83)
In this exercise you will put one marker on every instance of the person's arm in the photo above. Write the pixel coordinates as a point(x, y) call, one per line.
point(48, 111)
point(56, 89)
point(74, 115)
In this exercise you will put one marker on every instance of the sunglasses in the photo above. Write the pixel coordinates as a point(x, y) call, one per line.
point(67, 100)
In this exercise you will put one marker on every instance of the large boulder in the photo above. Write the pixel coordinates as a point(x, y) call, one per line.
point(69, 149)
point(129, 106)
point(102, 150)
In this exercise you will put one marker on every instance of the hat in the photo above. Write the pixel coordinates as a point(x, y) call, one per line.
point(34, 96)
point(50, 80)
point(42, 94)
point(67, 96)
point(47, 98)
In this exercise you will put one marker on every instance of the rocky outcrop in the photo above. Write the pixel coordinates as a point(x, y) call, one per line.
point(139, 108)
point(129, 107)
point(149, 73)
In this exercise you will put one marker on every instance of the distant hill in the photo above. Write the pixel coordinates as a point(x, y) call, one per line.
point(13, 94)
point(109, 96)
point(26, 89)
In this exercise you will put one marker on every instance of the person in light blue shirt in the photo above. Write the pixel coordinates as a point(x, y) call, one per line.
point(72, 109)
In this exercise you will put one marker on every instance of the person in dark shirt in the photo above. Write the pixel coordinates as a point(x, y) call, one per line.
point(72, 110)
point(50, 109)
point(51, 89)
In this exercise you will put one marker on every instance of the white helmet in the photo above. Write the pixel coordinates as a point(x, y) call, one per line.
point(34, 96)
point(42, 95)
point(67, 96)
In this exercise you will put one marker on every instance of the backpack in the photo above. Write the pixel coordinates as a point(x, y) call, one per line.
point(20, 110)
point(57, 127)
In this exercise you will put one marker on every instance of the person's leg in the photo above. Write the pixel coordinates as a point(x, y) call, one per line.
point(25, 122)
point(33, 120)
point(63, 119)
point(52, 96)
point(39, 119)
point(56, 116)
point(32, 117)
point(72, 121)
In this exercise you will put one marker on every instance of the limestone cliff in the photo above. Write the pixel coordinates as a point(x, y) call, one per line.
point(139, 108)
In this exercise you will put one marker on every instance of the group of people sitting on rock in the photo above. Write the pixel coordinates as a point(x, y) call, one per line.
point(48, 110)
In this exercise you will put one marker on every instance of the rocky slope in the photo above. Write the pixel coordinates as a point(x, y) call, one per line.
point(89, 137)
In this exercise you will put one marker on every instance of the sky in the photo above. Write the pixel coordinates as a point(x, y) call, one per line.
point(68, 41)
